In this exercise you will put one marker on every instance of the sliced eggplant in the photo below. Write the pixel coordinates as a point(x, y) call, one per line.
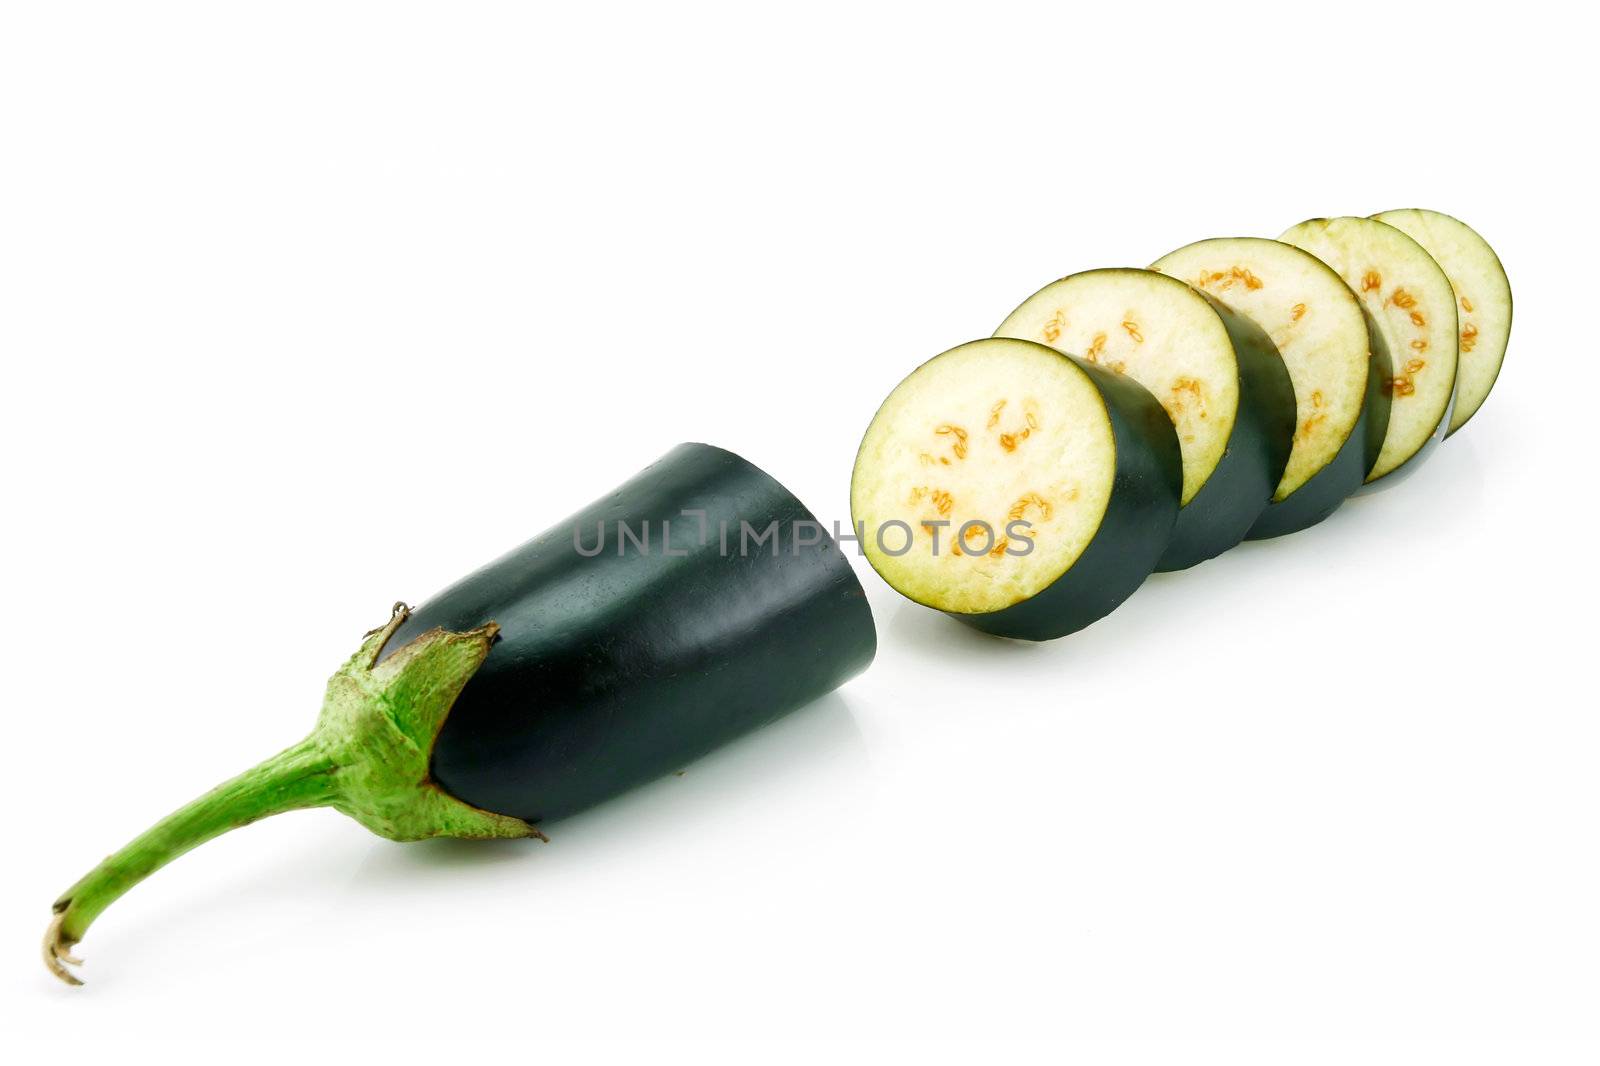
point(1483, 300)
point(1414, 312)
point(1339, 374)
point(1215, 372)
point(1023, 491)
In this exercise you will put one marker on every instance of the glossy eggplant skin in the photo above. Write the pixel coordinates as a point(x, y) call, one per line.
point(616, 668)
point(1133, 533)
point(1241, 486)
point(1344, 475)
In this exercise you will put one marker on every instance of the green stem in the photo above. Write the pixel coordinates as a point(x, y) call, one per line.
point(298, 777)
point(368, 757)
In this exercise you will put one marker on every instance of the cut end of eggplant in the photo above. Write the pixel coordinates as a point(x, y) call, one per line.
point(1313, 319)
point(1413, 310)
point(1158, 332)
point(976, 442)
point(1483, 300)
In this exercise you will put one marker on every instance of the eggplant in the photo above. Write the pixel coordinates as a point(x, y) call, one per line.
point(1414, 311)
point(1215, 372)
point(1483, 300)
point(1338, 365)
point(1022, 491)
point(697, 602)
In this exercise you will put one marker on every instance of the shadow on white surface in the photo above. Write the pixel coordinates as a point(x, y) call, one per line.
point(935, 635)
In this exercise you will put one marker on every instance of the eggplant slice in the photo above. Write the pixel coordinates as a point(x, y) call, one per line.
point(1483, 300)
point(1320, 330)
point(1414, 310)
point(1214, 372)
point(1020, 490)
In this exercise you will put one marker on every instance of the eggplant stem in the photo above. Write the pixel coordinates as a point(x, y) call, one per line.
point(367, 757)
point(298, 777)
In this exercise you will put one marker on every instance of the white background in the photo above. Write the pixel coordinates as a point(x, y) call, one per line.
point(307, 307)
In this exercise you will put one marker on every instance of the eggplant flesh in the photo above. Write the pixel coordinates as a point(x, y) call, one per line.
point(1337, 364)
point(1132, 536)
point(1413, 309)
point(1215, 373)
point(1346, 473)
point(1483, 300)
point(1019, 490)
point(695, 603)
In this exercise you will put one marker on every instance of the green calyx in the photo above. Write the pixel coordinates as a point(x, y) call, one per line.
point(368, 757)
point(381, 719)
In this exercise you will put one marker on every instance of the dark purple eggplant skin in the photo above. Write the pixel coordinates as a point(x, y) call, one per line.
point(1240, 489)
point(616, 669)
point(1343, 477)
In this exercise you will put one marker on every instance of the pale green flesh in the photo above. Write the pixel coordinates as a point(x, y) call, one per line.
point(1314, 320)
point(992, 431)
point(1483, 299)
point(1158, 332)
point(1413, 306)
point(367, 757)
